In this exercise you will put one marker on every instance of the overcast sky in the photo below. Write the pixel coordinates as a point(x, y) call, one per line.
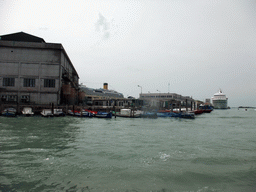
point(191, 48)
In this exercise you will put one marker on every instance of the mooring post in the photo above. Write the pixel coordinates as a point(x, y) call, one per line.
point(115, 108)
point(18, 108)
point(52, 107)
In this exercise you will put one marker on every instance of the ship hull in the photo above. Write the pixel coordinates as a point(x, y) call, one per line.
point(220, 104)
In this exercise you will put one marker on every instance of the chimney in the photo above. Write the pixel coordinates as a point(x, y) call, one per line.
point(105, 86)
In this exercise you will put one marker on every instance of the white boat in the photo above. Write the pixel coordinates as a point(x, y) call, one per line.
point(27, 111)
point(58, 113)
point(220, 101)
point(47, 113)
point(129, 113)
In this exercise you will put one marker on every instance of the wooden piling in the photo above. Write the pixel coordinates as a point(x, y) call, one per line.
point(52, 107)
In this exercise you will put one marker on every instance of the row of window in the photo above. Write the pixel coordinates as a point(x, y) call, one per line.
point(10, 82)
point(162, 96)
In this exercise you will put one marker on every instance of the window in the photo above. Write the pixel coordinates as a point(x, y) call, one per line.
point(8, 82)
point(49, 83)
point(29, 83)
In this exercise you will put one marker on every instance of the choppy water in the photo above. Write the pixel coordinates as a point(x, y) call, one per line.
point(214, 152)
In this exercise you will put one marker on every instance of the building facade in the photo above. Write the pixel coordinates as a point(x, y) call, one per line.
point(166, 100)
point(35, 72)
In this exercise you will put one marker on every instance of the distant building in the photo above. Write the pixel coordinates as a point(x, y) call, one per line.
point(105, 99)
point(166, 100)
point(35, 72)
point(207, 100)
point(87, 95)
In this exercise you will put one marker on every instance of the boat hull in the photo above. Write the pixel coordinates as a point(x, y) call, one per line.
point(10, 112)
point(103, 115)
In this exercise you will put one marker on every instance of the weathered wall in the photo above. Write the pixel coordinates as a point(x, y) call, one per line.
point(38, 64)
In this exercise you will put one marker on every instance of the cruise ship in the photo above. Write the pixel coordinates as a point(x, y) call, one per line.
point(220, 101)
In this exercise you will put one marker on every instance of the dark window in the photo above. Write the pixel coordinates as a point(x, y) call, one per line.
point(29, 83)
point(8, 82)
point(49, 83)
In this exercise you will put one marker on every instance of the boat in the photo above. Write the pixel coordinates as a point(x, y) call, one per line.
point(168, 114)
point(206, 108)
point(9, 112)
point(198, 111)
point(219, 100)
point(86, 114)
point(152, 115)
point(27, 111)
point(82, 113)
point(92, 112)
point(74, 113)
point(101, 114)
point(58, 113)
point(128, 113)
point(47, 113)
point(187, 115)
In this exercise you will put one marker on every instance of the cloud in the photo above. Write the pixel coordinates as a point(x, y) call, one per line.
point(103, 27)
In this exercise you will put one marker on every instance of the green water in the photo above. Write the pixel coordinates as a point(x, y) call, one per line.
point(214, 152)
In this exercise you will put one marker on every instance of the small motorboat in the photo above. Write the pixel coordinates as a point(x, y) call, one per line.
point(128, 113)
point(152, 115)
point(198, 111)
point(27, 111)
point(168, 114)
point(92, 112)
point(103, 114)
point(47, 113)
point(187, 115)
point(206, 108)
point(58, 113)
point(82, 113)
point(9, 112)
point(86, 114)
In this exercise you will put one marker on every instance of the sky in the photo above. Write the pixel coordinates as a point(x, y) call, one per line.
point(192, 48)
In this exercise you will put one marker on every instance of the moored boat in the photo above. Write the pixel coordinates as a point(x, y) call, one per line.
point(58, 113)
point(86, 114)
point(27, 111)
point(166, 114)
point(128, 113)
point(152, 115)
point(82, 113)
point(187, 115)
point(101, 114)
point(206, 108)
point(198, 111)
point(47, 113)
point(9, 112)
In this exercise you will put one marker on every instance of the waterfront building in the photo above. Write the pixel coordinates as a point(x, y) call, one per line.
point(101, 93)
point(35, 72)
point(105, 99)
point(166, 100)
